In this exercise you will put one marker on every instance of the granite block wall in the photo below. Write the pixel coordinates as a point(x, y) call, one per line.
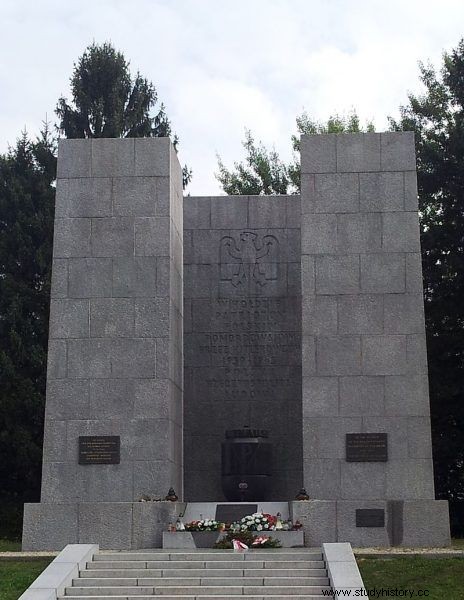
point(364, 354)
point(242, 317)
point(115, 349)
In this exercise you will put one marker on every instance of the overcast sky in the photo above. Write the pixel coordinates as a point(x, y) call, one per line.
point(223, 65)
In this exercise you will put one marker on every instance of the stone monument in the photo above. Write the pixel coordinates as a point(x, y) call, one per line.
point(174, 320)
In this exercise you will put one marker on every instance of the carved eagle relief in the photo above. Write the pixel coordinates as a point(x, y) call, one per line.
point(247, 253)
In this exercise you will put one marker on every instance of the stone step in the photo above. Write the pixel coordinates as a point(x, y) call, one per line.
point(221, 555)
point(196, 591)
point(200, 581)
point(233, 572)
point(221, 596)
point(269, 563)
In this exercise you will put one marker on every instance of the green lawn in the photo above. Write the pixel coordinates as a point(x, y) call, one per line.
point(17, 576)
point(442, 577)
point(9, 546)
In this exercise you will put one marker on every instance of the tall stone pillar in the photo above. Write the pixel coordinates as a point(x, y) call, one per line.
point(115, 377)
point(366, 416)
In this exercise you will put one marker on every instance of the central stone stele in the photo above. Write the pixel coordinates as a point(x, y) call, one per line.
point(174, 320)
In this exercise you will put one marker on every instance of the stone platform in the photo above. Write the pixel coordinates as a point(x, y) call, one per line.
point(188, 539)
point(138, 525)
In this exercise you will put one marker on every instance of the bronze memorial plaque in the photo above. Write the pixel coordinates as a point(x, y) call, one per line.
point(366, 447)
point(99, 449)
point(370, 517)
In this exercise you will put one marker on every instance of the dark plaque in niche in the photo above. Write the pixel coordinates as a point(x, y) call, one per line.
point(229, 513)
point(370, 517)
point(366, 447)
point(99, 449)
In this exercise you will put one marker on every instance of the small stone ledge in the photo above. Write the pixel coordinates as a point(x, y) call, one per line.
point(342, 569)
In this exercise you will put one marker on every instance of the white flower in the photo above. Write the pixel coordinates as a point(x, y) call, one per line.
point(259, 528)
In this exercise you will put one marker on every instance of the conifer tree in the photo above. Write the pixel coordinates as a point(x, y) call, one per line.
point(107, 102)
point(27, 195)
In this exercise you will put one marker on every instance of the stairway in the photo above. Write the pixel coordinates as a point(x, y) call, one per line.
point(204, 574)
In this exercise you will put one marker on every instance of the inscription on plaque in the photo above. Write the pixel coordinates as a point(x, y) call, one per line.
point(370, 517)
point(99, 450)
point(366, 447)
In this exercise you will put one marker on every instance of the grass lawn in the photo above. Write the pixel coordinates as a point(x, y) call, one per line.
point(17, 576)
point(442, 577)
point(9, 546)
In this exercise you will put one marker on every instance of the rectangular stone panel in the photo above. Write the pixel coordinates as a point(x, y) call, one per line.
point(111, 317)
point(137, 196)
point(338, 355)
point(113, 236)
point(383, 273)
point(381, 192)
point(404, 313)
point(397, 151)
point(69, 318)
point(358, 153)
point(320, 397)
point(112, 398)
point(87, 197)
point(326, 435)
point(67, 399)
point(75, 158)
point(321, 317)
point(318, 154)
point(401, 232)
point(384, 355)
point(337, 274)
point(90, 277)
point(319, 234)
point(359, 233)
point(197, 211)
point(152, 236)
point(72, 238)
point(363, 481)
point(362, 396)
point(135, 277)
point(113, 157)
point(337, 193)
point(267, 212)
point(360, 314)
point(154, 159)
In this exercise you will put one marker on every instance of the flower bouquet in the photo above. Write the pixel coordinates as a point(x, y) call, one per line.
point(256, 522)
point(204, 525)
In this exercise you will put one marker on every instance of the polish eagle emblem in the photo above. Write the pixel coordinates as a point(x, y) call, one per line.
point(254, 258)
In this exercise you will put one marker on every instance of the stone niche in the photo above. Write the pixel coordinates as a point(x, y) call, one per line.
point(242, 335)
